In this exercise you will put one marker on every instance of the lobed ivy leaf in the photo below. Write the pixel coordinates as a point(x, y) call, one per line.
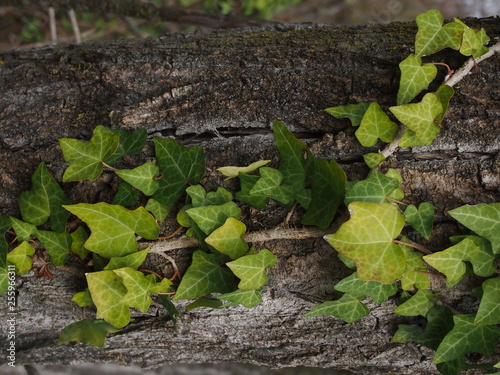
point(375, 125)
point(254, 200)
point(473, 42)
point(373, 159)
point(421, 117)
point(205, 275)
point(85, 158)
point(78, 238)
point(44, 200)
point(209, 218)
point(251, 269)
point(483, 219)
point(142, 178)
point(270, 185)
point(58, 245)
point(361, 288)
point(374, 189)
point(179, 166)
point(366, 238)
point(327, 192)
point(467, 337)
point(133, 260)
point(20, 257)
point(201, 198)
point(484, 263)
point(125, 196)
point(421, 218)
point(227, 238)
point(130, 142)
point(114, 227)
point(489, 308)
point(231, 172)
point(418, 304)
point(353, 112)
point(348, 308)
point(248, 298)
point(451, 261)
point(432, 36)
point(415, 77)
point(158, 210)
point(23, 230)
point(88, 331)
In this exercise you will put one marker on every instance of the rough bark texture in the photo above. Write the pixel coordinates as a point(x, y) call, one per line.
point(221, 90)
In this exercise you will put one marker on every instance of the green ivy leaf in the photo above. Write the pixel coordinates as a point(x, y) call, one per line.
point(451, 261)
point(23, 230)
point(353, 112)
point(231, 172)
point(78, 238)
point(20, 257)
point(421, 117)
point(142, 177)
point(467, 337)
point(373, 159)
point(133, 260)
point(83, 299)
point(270, 185)
point(158, 210)
point(44, 200)
point(421, 219)
point(418, 304)
point(114, 227)
point(348, 308)
point(85, 157)
point(131, 142)
point(247, 183)
point(374, 189)
point(375, 124)
point(251, 269)
point(58, 245)
point(360, 288)
point(483, 262)
point(489, 308)
point(473, 42)
point(200, 198)
point(205, 275)
point(366, 238)
point(248, 298)
point(88, 331)
point(415, 77)
point(125, 196)
point(295, 158)
point(227, 238)
point(180, 166)
point(432, 36)
point(416, 272)
point(209, 218)
point(484, 219)
point(444, 94)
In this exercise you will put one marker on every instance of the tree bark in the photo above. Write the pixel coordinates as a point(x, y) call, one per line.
point(221, 89)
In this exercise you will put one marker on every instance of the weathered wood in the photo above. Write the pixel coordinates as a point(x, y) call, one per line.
point(222, 89)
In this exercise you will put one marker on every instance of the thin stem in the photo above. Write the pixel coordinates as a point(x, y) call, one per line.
point(171, 235)
point(152, 272)
point(396, 201)
point(415, 246)
point(109, 166)
point(430, 273)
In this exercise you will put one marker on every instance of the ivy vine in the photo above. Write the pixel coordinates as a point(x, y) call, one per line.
point(115, 238)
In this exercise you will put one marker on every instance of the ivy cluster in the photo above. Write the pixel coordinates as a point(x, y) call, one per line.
point(225, 269)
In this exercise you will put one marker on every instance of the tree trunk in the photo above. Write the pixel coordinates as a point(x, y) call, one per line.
point(221, 89)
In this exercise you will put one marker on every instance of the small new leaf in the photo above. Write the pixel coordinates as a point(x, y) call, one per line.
point(270, 185)
point(421, 219)
point(415, 77)
point(251, 269)
point(227, 238)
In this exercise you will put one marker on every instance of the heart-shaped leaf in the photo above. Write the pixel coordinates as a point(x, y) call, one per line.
point(375, 125)
point(421, 117)
point(158, 210)
point(85, 158)
point(415, 77)
point(373, 159)
point(366, 238)
point(44, 200)
point(20, 257)
point(142, 178)
point(227, 238)
point(421, 219)
point(348, 308)
point(251, 269)
point(114, 227)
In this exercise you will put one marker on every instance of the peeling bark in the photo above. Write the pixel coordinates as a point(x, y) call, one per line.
point(222, 89)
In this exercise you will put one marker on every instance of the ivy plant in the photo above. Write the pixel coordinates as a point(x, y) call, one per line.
point(114, 238)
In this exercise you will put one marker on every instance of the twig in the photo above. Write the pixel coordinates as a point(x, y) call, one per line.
point(74, 25)
point(52, 22)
